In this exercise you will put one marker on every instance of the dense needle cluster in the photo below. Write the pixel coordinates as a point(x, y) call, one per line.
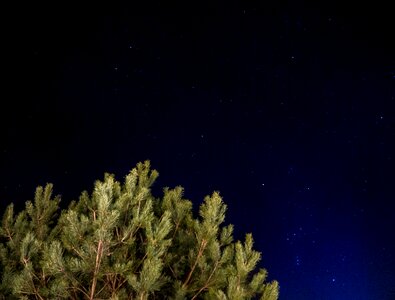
point(122, 243)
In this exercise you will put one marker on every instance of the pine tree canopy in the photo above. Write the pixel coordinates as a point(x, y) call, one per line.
point(120, 242)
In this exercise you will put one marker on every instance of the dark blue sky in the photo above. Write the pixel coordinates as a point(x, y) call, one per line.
point(287, 109)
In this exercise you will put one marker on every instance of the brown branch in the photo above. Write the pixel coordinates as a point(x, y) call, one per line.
point(104, 286)
point(174, 274)
point(99, 254)
point(208, 281)
point(142, 296)
point(76, 251)
point(74, 287)
point(36, 294)
point(120, 285)
point(9, 234)
point(112, 283)
point(175, 229)
point(200, 253)
point(32, 275)
point(117, 232)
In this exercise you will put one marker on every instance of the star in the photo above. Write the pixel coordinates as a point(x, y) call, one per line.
point(297, 261)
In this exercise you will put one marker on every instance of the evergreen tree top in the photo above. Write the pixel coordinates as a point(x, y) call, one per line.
point(119, 242)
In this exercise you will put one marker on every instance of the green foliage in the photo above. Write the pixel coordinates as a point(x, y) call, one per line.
point(120, 242)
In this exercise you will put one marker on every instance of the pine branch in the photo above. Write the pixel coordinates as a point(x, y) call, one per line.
point(205, 286)
point(99, 254)
point(74, 288)
point(9, 234)
point(175, 229)
point(203, 245)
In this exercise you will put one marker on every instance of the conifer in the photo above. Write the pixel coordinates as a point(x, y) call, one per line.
point(120, 242)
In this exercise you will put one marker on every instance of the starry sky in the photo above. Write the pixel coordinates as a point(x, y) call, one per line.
point(287, 109)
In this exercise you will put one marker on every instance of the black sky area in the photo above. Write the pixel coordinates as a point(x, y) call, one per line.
point(286, 108)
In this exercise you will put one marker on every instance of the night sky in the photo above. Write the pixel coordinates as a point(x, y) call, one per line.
point(287, 109)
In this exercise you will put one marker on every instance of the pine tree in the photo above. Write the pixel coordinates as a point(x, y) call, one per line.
point(122, 243)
